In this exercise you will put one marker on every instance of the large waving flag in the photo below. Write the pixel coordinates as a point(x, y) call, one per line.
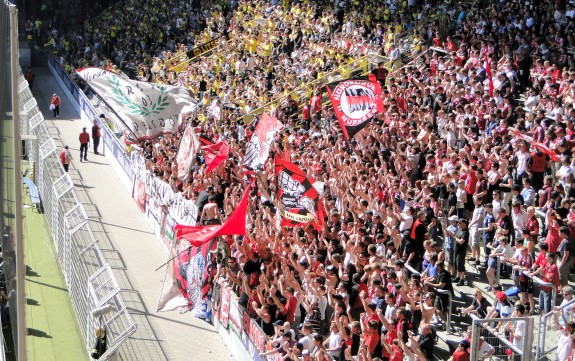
point(298, 195)
point(215, 154)
point(235, 224)
point(148, 109)
point(355, 102)
point(261, 142)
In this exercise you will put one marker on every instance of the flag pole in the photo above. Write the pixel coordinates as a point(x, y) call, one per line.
point(171, 259)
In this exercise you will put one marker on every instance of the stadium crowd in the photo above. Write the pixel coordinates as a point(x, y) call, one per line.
point(473, 152)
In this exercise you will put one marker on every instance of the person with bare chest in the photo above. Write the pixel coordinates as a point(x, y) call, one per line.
point(210, 214)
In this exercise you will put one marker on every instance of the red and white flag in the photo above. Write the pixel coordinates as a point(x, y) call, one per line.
point(261, 142)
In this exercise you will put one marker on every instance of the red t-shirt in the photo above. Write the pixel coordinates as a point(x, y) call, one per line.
point(471, 182)
point(541, 260)
point(533, 225)
point(553, 240)
point(461, 356)
point(371, 341)
point(397, 354)
point(84, 138)
point(389, 337)
point(291, 307)
point(551, 274)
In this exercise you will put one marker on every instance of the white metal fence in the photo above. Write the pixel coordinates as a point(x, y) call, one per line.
point(90, 280)
point(509, 338)
point(548, 336)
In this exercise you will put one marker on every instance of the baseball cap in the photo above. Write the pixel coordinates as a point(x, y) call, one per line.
point(453, 218)
point(501, 296)
point(464, 343)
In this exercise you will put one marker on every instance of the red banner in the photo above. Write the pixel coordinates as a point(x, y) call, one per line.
point(255, 333)
point(188, 271)
point(552, 154)
point(224, 311)
point(236, 317)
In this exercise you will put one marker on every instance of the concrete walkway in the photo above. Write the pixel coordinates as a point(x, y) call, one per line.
point(129, 246)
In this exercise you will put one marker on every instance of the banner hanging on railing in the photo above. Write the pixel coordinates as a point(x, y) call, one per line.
point(148, 109)
point(140, 194)
point(188, 272)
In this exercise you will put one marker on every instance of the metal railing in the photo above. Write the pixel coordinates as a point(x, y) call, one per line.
point(535, 279)
point(441, 292)
point(498, 332)
point(91, 283)
point(547, 333)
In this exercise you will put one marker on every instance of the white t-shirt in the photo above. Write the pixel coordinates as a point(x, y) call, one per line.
point(334, 340)
point(563, 347)
point(406, 222)
point(522, 162)
point(518, 333)
point(322, 304)
point(461, 196)
point(390, 312)
point(307, 342)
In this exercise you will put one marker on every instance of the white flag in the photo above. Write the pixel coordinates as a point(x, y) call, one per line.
point(148, 109)
point(187, 150)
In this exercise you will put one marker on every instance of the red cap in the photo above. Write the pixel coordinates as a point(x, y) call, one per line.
point(501, 296)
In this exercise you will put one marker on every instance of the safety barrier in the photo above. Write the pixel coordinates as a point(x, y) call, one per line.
point(496, 332)
point(441, 292)
point(92, 287)
point(535, 279)
point(548, 333)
